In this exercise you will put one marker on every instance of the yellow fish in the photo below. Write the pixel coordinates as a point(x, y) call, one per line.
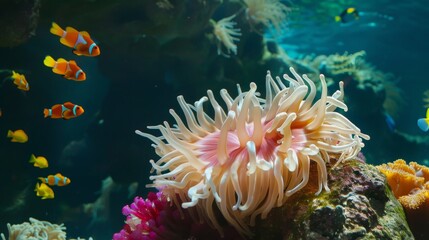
point(40, 162)
point(20, 81)
point(17, 136)
point(42, 190)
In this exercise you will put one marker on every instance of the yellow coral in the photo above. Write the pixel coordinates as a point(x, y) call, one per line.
point(342, 64)
point(409, 183)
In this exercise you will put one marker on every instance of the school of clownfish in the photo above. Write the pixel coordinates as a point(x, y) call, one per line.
point(82, 45)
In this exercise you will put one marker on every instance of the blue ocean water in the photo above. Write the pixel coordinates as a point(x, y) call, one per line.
point(146, 61)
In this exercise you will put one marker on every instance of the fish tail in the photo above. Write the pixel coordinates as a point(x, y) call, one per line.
point(46, 112)
point(56, 30)
point(41, 179)
point(422, 123)
point(49, 61)
point(32, 159)
point(9, 134)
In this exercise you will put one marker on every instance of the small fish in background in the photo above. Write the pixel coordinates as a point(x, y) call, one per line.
point(81, 42)
point(348, 15)
point(390, 122)
point(55, 180)
point(65, 111)
point(40, 162)
point(69, 69)
point(20, 81)
point(44, 191)
point(17, 136)
point(423, 123)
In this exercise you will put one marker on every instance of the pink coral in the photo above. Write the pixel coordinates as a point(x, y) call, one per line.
point(157, 218)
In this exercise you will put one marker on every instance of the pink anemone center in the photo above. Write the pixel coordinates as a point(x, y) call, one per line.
point(267, 149)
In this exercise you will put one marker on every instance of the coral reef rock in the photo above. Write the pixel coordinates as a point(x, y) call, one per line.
point(18, 21)
point(359, 206)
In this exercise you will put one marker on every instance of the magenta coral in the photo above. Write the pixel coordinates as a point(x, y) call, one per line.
point(156, 218)
point(143, 218)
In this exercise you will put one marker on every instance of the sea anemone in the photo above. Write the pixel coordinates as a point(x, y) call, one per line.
point(269, 13)
point(247, 160)
point(226, 35)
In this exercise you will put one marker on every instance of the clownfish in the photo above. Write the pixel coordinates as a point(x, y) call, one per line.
point(40, 162)
point(20, 81)
point(348, 15)
point(17, 136)
point(65, 111)
point(81, 42)
point(69, 69)
point(423, 123)
point(55, 180)
point(42, 190)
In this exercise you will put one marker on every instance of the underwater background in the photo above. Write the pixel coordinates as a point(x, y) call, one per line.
point(152, 52)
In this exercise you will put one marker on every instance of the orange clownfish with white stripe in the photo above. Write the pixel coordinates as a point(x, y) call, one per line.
point(69, 69)
point(65, 111)
point(55, 180)
point(81, 42)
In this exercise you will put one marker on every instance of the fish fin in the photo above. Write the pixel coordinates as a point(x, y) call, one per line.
point(57, 71)
point(65, 42)
point(337, 19)
point(69, 75)
point(350, 10)
point(32, 159)
point(47, 112)
point(49, 61)
point(56, 29)
point(73, 62)
point(77, 51)
point(68, 115)
point(61, 60)
point(42, 179)
point(14, 140)
point(9, 134)
point(85, 33)
point(16, 81)
point(36, 187)
point(68, 105)
point(422, 123)
point(71, 29)
point(14, 75)
point(427, 113)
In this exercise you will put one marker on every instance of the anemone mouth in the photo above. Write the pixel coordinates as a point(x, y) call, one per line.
point(253, 155)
